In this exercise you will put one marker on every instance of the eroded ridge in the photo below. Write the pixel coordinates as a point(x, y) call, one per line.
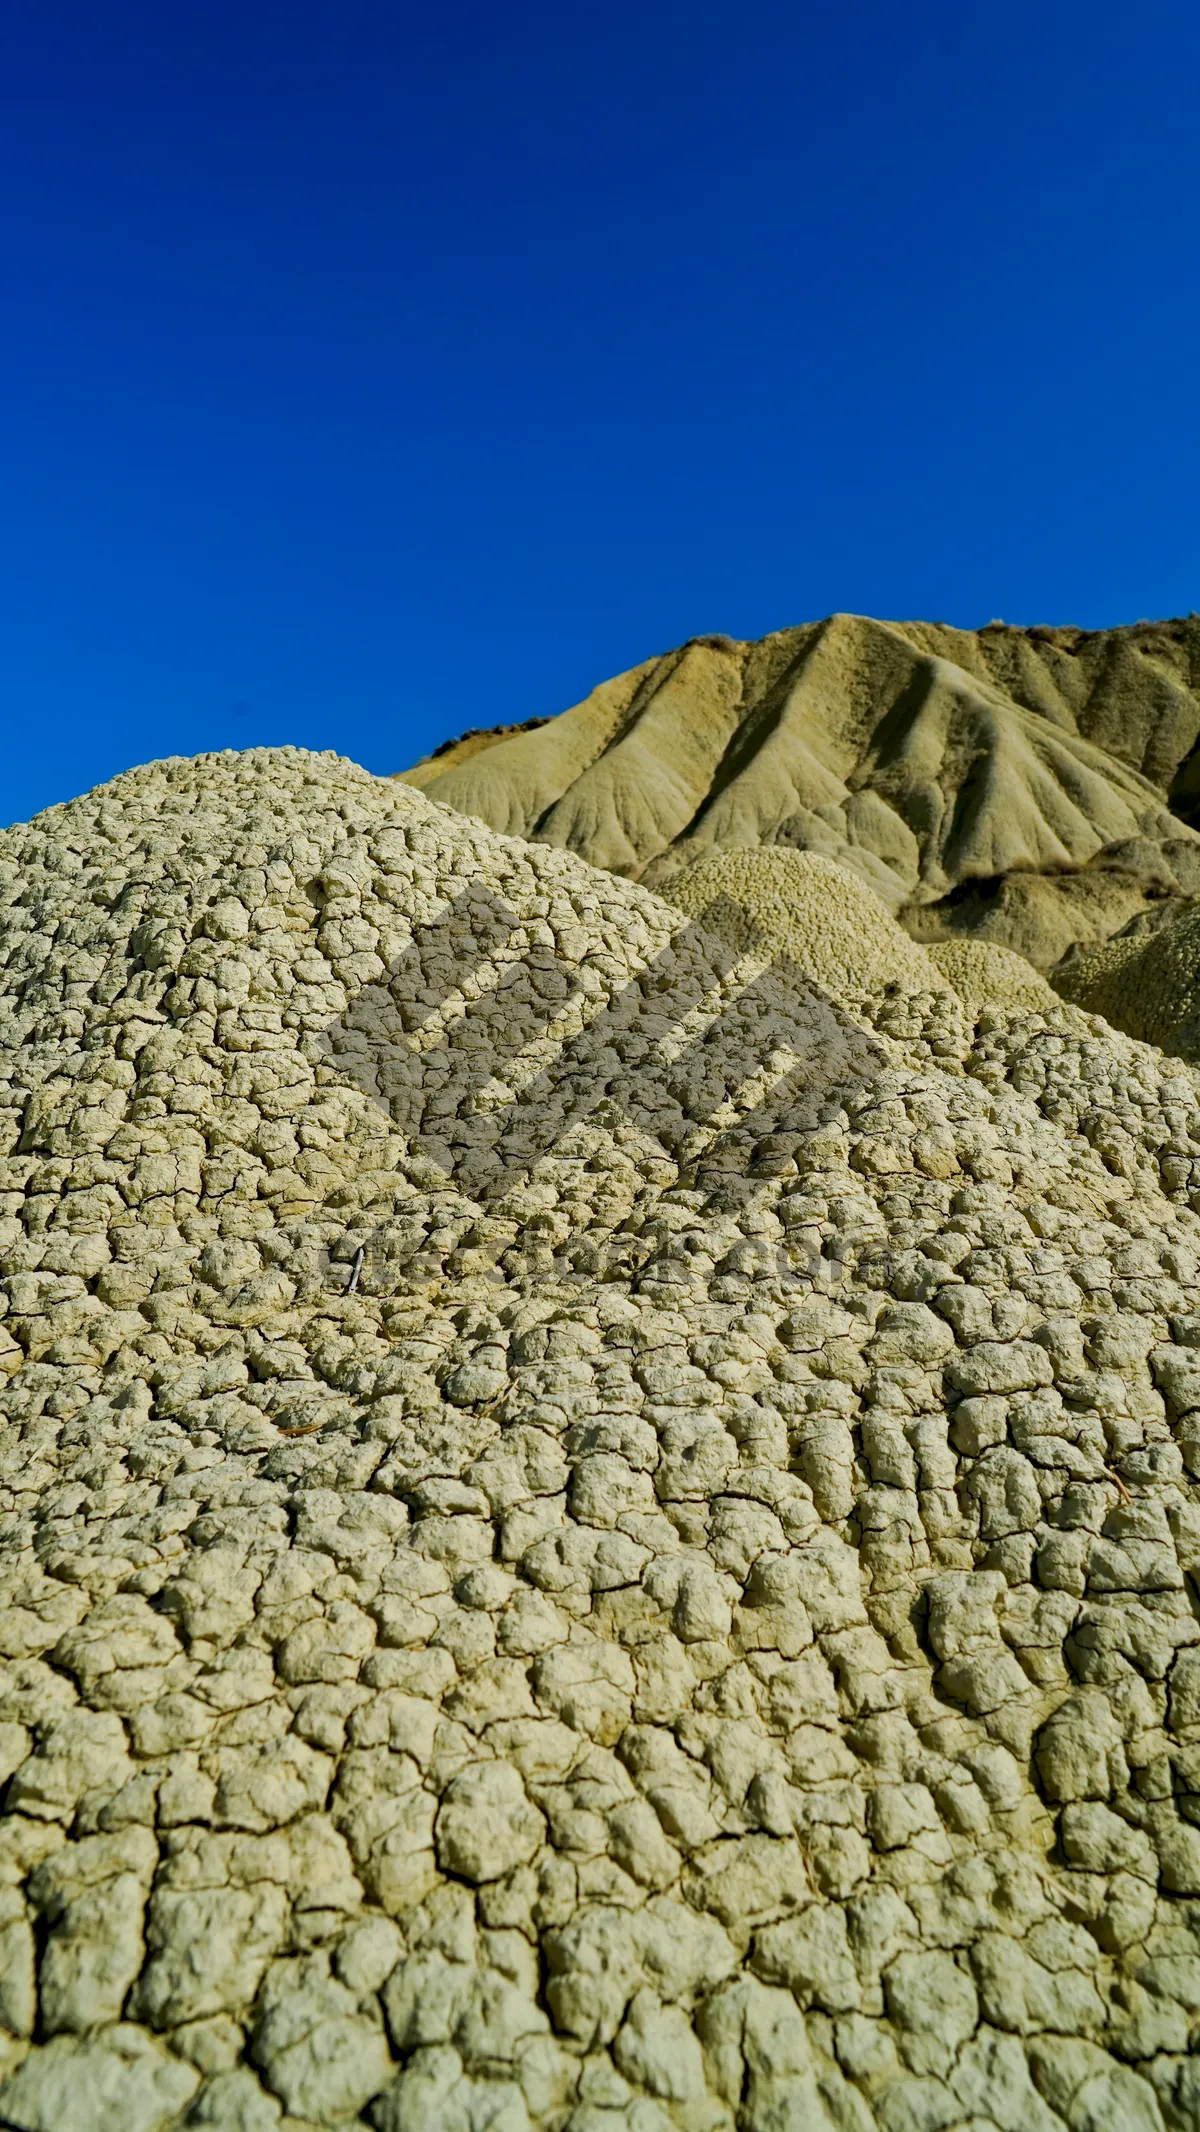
point(1034, 789)
point(684, 1618)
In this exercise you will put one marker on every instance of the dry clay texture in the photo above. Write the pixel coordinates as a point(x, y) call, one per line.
point(1146, 979)
point(1013, 785)
point(590, 1538)
point(813, 911)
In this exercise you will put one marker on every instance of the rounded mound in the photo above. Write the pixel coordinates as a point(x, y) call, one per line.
point(984, 975)
point(589, 1543)
point(1145, 980)
point(809, 908)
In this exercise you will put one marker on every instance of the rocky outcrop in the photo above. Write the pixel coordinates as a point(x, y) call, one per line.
point(1029, 787)
point(593, 1536)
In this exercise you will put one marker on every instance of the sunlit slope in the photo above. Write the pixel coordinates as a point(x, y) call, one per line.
point(1015, 785)
point(599, 1531)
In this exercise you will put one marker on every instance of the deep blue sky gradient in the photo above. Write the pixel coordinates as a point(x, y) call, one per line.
point(371, 371)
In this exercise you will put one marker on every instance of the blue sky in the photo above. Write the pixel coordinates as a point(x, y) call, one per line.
point(372, 371)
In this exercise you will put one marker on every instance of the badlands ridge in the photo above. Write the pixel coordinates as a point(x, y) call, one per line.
point(601, 1508)
point(1035, 789)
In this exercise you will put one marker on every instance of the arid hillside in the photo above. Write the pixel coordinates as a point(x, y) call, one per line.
point(1035, 788)
point(599, 1530)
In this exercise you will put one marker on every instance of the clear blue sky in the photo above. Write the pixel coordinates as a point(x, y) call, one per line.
point(371, 371)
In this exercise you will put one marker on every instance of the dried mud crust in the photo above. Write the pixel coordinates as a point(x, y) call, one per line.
point(591, 1537)
point(1146, 980)
point(809, 908)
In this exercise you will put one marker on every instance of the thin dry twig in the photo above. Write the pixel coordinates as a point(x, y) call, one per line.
point(358, 1265)
point(1119, 1485)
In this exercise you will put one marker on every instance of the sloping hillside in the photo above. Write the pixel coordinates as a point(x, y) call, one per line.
point(1146, 979)
point(1029, 787)
point(594, 1538)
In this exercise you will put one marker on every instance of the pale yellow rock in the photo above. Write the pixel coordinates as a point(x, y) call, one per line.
point(598, 1528)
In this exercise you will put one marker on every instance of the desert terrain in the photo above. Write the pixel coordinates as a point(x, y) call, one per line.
point(600, 1367)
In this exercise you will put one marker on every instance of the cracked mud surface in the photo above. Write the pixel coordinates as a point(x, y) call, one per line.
point(592, 1537)
point(1146, 980)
